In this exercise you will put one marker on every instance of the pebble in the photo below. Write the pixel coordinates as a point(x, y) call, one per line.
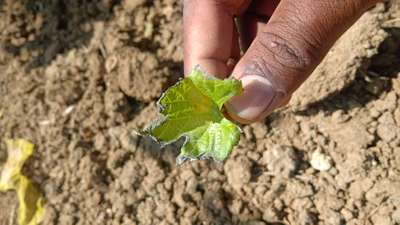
point(320, 161)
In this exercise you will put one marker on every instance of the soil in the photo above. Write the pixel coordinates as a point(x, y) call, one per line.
point(80, 77)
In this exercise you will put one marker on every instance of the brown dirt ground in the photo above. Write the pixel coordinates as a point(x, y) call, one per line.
point(79, 77)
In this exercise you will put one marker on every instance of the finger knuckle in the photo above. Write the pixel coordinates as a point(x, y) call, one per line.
point(290, 53)
point(285, 61)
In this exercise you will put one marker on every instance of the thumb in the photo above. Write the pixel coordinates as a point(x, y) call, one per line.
point(286, 51)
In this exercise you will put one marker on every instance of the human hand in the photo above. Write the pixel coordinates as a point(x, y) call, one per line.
point(289, 38)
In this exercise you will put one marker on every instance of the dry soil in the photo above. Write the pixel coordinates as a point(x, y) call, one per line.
point(78, 77)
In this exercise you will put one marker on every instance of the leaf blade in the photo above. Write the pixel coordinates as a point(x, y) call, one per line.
point(192, 109)
point(184, 108)
point(215, 140)
point(218, 90)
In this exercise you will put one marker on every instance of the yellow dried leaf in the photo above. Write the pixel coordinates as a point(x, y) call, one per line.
point(18, 152)
point(31, 201)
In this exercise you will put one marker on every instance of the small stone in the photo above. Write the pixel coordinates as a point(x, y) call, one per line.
point(68, 110)
point(320, 161)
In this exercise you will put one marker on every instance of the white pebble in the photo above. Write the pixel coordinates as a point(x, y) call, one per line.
point(320, 161)
point(68, 110)
point(44, 122)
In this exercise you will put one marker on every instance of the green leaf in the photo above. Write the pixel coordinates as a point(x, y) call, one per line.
point(219, 91)
point(192, 109)
point(213, 140)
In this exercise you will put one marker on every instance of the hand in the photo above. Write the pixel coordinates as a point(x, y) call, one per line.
point(289, 38)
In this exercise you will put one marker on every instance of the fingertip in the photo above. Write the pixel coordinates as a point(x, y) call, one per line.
point(258, 99)
point(208, 31)
point(232, 115)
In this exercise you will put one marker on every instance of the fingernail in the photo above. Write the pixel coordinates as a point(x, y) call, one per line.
point(258, 99)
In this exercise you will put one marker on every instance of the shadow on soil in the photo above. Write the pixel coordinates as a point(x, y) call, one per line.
point(50, 27)
point(372, 80)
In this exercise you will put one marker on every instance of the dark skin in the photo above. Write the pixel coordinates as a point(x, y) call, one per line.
point(284, 40)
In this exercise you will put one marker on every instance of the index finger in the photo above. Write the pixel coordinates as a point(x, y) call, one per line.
point(209, 34)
